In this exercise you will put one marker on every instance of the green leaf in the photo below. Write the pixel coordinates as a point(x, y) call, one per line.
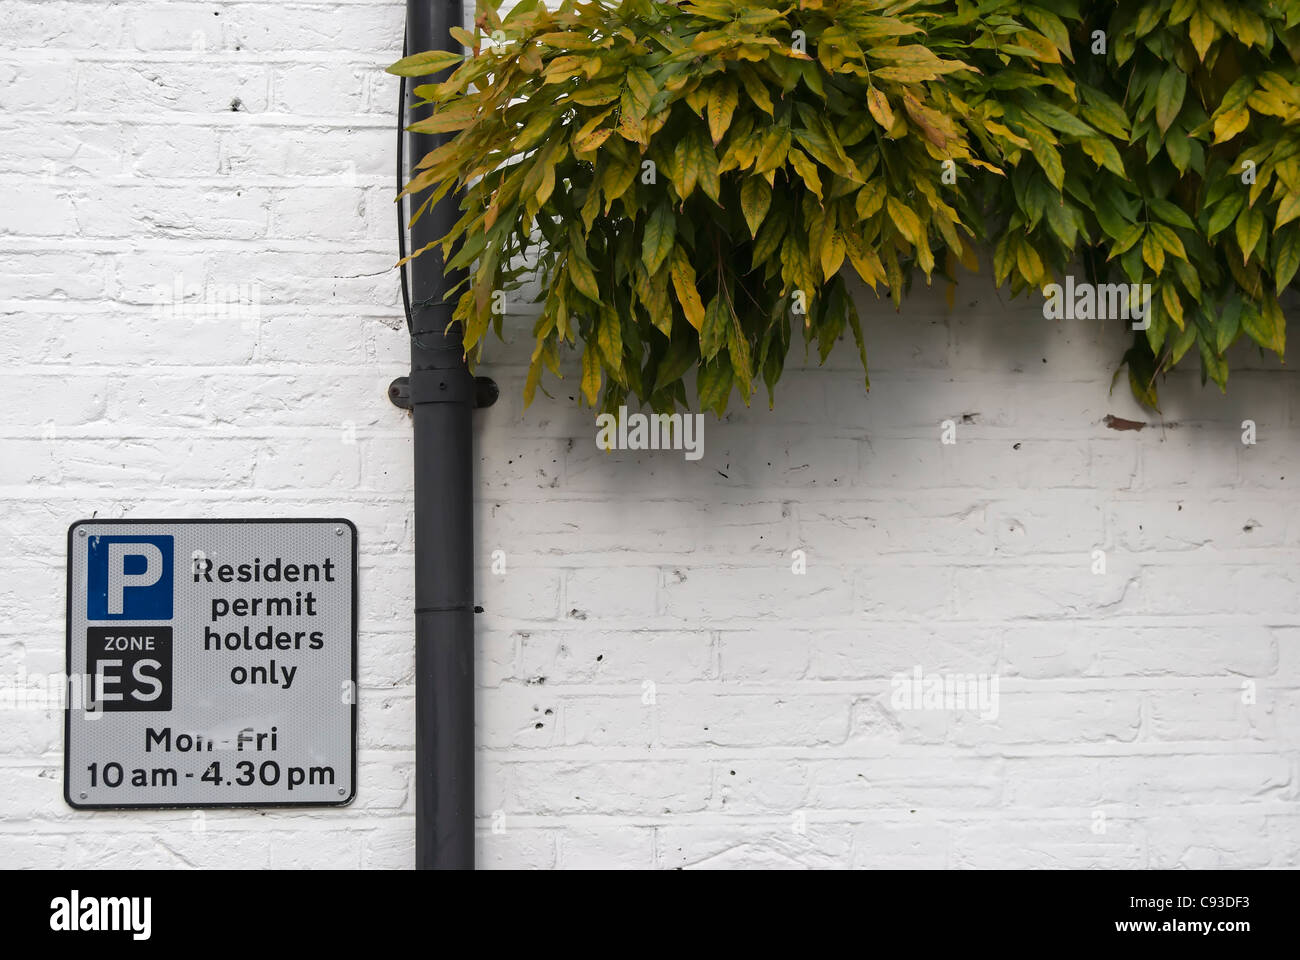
point(1225, 213)
point(1265, 325)
point(640, 88)
point(1250, 226)
point(1131, 236)
point(755, 199)
point(1058, 119)
point(660, 234)
point(713, 334)
point(741, 359)
point(1171, 213)
point(1228, 324)
point(1169, 97)
point(1047, 157)
point(706, 165)
point(714, 386)
point(1288, 259)
point(423, 64)
point(681, 356)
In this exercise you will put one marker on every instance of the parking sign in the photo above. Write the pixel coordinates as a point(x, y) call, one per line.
point(211, 663)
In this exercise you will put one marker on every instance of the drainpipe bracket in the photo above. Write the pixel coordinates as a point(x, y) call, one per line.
point(485, 392)
point(432, 386)
point(399, 392)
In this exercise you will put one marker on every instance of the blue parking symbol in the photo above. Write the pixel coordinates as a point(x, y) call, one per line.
point(129, 578)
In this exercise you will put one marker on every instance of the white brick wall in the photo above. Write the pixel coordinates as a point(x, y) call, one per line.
point(657, 688)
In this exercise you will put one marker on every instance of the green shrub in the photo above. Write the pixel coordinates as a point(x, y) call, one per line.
point(688, 182)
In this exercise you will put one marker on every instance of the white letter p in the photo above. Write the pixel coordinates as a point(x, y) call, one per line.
point(119, 579)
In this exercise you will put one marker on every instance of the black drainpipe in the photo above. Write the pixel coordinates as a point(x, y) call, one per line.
point(442, 394)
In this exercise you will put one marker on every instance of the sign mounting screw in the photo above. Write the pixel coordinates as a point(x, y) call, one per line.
point(83, 796)
point(81, 533)
point(338, 531)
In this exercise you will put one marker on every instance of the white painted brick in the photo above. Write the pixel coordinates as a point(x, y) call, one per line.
point(606, 848)
point(751, 720)
point(1052, 649)
point(1202, 778)
point(166, 86)
point(1050, 844)
point(623, 593)
point(1052, 717)
point(891, 846)
point(606, 656)
point(781, 653)
point(754, 846)
point(610, 721)
point(38, 210)
point(609, 788)
point(711, 594)
point(516, 849)
point(901, 785)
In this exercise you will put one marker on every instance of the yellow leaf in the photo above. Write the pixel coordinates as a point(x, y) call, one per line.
point(908, 223)
point(757, 92)
point(969, 259)
point(592, 141)
point(722, 104)
point(1202, 32)
point(807, 170)
point(832, 253)
point(1030, 264)
point(1229, 124)
point(590, 375)
point(686, 167)
point(878, 103)
point(1044, 50)
point(909, 74)
point(1168, 239)
point(865, 261)
point(683, 275)
point(1287, 210)
point(1173, 306)
point(610, 338)
point(640, 90)
point(773, 152)
point(870, 199)
point(584, 278)
point(1153, 253)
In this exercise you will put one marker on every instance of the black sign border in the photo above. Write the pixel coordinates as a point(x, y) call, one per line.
point(67, 712)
